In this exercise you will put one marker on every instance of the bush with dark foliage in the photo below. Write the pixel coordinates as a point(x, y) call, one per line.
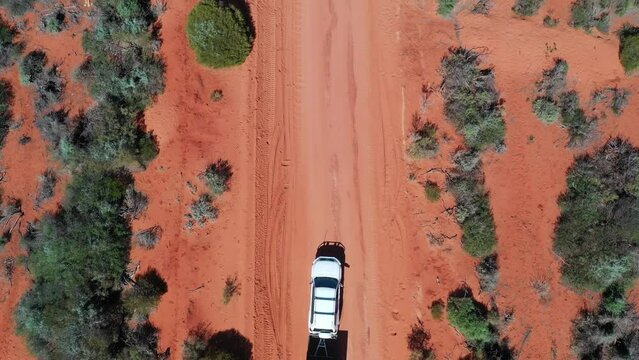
point(226, 345)
point(17, 7)
point(10, 49)
point(527, 7)
point(597, 234)
point(418, 342)
point(6, 115)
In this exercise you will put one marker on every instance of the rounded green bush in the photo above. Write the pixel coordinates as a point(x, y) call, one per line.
point(629, 49)
point(466, 316)
point(219, 33)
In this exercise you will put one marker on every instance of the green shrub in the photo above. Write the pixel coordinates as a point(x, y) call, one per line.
point(629, 48)
point(32, 66)
point(614, 300)
point(222, 345)
point(488, 272)
point(6, 115)
point(437, 309)
point(418, 343)
point(470, 319)
point(615, 98)
point(553, 80)
point(546, 110)
point(580, 127)
point(54, 22)
point(231, 288)
point(46, 188)
point(202, 211)
point(217, 95)
point(220, 33)
point(527, 7)
point(598, 232)
point(10, 49)
point(471, 101)
point(143, 297)
point(474, 215)
point(587, 14)
point(550, 21)
point(622, 7)
point(424, 142)
point(17, 7)
point(446, 7)
point(218, 176)
point(432, 190)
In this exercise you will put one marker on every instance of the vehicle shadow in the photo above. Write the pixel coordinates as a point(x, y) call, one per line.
point(335, 349)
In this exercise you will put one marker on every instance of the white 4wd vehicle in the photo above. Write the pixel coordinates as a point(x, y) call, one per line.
point(326, 292)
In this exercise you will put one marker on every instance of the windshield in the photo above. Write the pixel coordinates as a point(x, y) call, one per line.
point(324, 282)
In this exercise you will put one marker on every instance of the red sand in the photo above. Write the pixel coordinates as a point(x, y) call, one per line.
point(316, 125)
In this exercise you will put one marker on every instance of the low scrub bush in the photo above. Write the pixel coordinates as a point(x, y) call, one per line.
point(473, 214)
point(482, 7)
point(419, 342)
point(10, 48)
point(231, 288)
point(46, 189)
point(32, 66)
point(598, 232)
point(471, 101)
point(220, 33)
point(437, 309)
point(629, 48)
point(222, 345)
point(580, 127)
point(432, 190)
point(135, 203)
point(424, 142)
point(17, 7)
point(49, 88)
point(527, 7)
point(446, 7)
point(202, 211)
point(218, 177)
point(550, 21)
point(6, 115)
point(488, 272)
point(553, 80)
point(588, 14)
point(605, 334)
point(615, 98)
point(149, 237)
point(55, 21)
point(144, 296)
point(546, 109)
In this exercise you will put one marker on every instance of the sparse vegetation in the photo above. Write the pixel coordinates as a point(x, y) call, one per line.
point(144, 294)
point(54, 21)
point(482, 7)
point(588, 14)
point(470, 318)
point(432, 190)
point(218, 176)
point(437, 309)
point(615, 98)
point(46, 189)
point(527, 7)
point(471, 101)
point(135, 203)
point(231, 288)
point(217, 95)
point(597, 232)
point(554, 80)
point(488, 272)
point(202, 211)
point(17, 7)
point(446, 7)
point(418, 343)
point(32, 66)
point(48, 83)
point(6, 115)
point(550, 21)
point(542, 288)
point(546, 109)
point(10, 49)
point(424, 142)
point(149, 237)
point(223, 345)
point(220, 33)
point(580, 127)
point(629, 48)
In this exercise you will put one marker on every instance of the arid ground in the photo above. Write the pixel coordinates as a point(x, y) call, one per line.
point(316, 125)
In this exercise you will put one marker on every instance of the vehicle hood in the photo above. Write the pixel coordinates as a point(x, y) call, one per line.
point(327, 267)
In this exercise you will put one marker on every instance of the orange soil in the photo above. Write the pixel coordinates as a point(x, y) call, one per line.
point(316, 124)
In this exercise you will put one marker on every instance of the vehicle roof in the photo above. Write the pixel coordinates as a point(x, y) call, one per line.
point(324, 308)
point(325, 266)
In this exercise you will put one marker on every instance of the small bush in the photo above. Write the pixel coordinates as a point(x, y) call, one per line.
point(482, 7)
point(471, 101)
point(432, 190)
point(220, 33)
point(10, 50)
point(467, 161)
point(488, 272)
point(217, 95)
point(550, 21)
point(580, 127)
point(231, 288)
point(418, 342)
point(218, 176)
point(546, 110)
point(135, 203)
point(54, 22)
point(446, 7)
point(144, 296)
point(554, 79)
point(5, 238)
point(587, 14)
point(46, 189)
point(424, 142)
point(222, 345)
point(148, 238)
point(542, 288)
point(597, 232)
point(614, 300)
point(202, 211)
point(32, 66)
point(527, 7)
point(6, 115)
point(17, 7)
point(615, 98)
point(629, 48)
point(622, 7)
point(437, 309)
point(470, 319)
